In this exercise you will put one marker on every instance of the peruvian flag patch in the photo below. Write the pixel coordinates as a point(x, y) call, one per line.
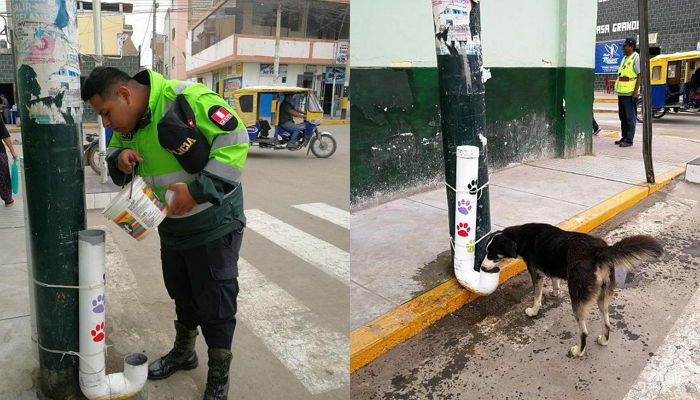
point(222, 117)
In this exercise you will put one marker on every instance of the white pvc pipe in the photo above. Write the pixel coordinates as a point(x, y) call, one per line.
point(482, 282)
point(94, 383)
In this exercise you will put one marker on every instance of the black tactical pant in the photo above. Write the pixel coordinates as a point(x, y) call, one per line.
point(203, 282)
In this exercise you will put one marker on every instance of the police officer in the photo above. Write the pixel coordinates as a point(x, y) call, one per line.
point(183, 137)
point(627, 89)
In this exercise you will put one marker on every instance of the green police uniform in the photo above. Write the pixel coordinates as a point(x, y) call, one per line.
point(199, 251)
point(217, 212)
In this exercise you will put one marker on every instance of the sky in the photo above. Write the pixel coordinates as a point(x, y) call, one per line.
point(139, 20)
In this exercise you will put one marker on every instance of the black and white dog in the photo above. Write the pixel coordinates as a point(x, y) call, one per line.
point(586, 262)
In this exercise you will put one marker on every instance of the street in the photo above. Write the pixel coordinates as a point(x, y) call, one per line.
point(671, 124)
point(291, 339)
point(490, 349)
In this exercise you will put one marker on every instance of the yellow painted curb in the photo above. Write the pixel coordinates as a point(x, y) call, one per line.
point(17, 129)
point(335, 122)
point(604, 100)
point(385, 332)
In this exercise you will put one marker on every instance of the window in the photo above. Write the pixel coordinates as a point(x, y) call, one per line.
point(172, 37)
point(656, 73)
point(246, 103)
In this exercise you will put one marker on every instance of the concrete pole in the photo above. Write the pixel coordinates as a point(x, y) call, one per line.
point(153, 45)
point(101, 138)
point(645, 88)
point(278, 31)
point(51, 109)
point(462, 105)
point(333, 96)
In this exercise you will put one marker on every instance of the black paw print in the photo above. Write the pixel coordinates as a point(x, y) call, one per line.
point(472, 187)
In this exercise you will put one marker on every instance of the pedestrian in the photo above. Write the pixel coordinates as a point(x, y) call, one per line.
point(286, 120)
point(183, 137)
point(627, 89)
point(4, 109)
point(5, 182)
point(596, 128)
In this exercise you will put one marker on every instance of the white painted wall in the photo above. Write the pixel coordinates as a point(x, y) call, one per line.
point(581, 31)
point(266, 47)
point(520, 33)
point(388, 33)
point(324, 50)
point(222, 49)
point(548, 33)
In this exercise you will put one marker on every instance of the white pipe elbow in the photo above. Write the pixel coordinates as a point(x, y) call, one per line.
point(118, 385)
point(481, 280)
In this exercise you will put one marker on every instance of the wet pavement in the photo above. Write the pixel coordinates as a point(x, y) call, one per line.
point(490, 349)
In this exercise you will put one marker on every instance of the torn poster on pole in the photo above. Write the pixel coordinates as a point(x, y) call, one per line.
point(51, 58)
point(452, 28)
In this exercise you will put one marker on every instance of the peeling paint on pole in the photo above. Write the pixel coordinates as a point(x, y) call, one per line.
point(49, 74)
point(462, 105)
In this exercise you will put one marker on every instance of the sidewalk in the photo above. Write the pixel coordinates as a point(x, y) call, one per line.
point(396, 291)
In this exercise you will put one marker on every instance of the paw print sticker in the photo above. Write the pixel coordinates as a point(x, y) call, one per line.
point(472, 187)
point(471, 245)
point(98, 334)
point(464, 206)
point(98, 306)
point(463, 229)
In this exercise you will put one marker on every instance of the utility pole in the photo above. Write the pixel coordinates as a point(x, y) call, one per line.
point(278, 30)
point(153, 41)
point(645, 90)
point(50, 111)
point(462, 107)
point(101, 139)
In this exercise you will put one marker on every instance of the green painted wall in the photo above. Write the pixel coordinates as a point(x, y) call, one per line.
point(396, 144)
point(527, 119)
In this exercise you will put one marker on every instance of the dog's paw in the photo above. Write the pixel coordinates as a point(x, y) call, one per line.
point(531, 312)
point(576, 352)
point(602, 340)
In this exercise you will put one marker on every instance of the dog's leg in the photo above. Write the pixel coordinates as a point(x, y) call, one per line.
point(555, 287)
point(581, 313)
point(603, 305)
point(539, 285)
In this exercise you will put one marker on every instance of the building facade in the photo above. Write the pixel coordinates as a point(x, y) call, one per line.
point(233, 46)
point(674, 26)
point(538, 71)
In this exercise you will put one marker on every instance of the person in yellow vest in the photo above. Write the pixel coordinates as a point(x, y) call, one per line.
point(183, 137)
point(627, 89)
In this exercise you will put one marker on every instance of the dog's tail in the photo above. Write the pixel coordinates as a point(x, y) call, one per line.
point(629, 252)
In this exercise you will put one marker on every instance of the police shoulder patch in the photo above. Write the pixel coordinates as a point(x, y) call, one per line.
point(223, 118)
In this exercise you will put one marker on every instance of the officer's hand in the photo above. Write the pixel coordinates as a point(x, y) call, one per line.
point(635, 95)
point(127, 158)
point(182, 201)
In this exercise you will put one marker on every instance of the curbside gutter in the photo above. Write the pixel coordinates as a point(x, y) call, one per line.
point(389, 330)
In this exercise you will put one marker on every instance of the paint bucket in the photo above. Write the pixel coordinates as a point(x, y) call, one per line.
point(136, 209)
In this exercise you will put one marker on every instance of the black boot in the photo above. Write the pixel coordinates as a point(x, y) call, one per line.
point(181, 357)
point(217, 378)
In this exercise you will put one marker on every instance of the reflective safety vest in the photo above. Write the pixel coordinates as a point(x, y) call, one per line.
point(626, 75)
point(160, 168)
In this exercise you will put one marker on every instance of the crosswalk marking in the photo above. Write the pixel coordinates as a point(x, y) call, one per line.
point(329, 213)
point(670, 373)
point(318, 357)
point(322, 255)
